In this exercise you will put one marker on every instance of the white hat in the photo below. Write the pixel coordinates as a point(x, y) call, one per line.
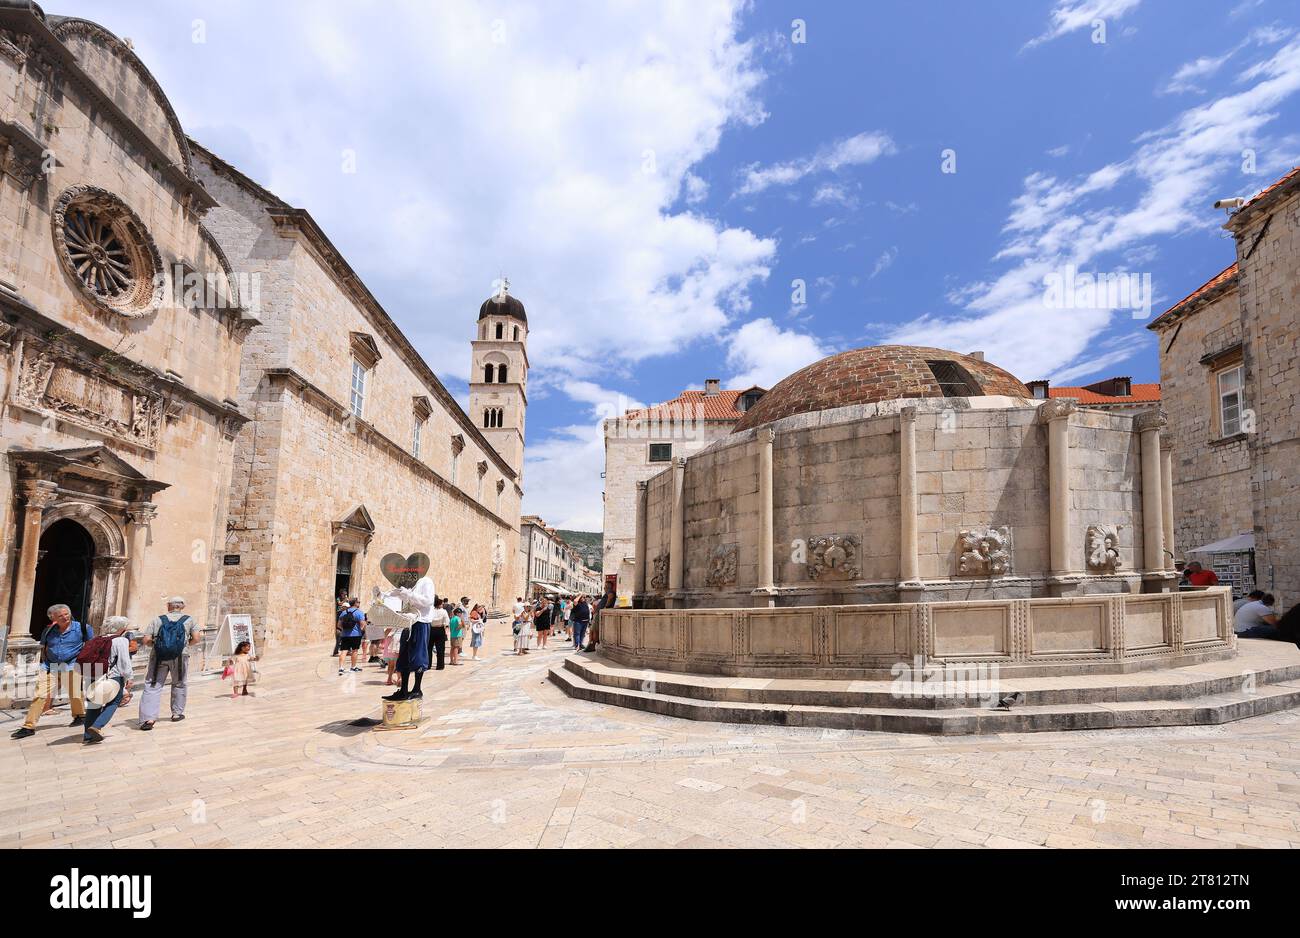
point(176, 601)
point(100, 694)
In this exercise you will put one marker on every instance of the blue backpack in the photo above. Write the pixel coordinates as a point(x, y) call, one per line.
point(170, 641)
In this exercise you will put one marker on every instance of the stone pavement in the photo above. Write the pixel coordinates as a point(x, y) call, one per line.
point(504, 759)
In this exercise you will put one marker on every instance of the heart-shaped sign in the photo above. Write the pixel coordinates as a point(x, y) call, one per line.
point(404, 571)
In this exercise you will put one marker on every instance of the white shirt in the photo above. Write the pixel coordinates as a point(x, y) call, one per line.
point(421, 598)
point(1250, 615)
point(119, 658)
point(438, 618)
point(518, 610)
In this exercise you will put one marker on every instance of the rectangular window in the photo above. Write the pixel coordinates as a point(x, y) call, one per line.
point(415, 438)
point(661, 452)
point(1230, 400)
point(358, 398)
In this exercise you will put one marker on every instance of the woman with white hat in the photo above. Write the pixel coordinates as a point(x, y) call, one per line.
point(114, 688)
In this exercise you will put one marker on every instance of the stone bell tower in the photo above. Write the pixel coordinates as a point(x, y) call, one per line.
point(498, 384)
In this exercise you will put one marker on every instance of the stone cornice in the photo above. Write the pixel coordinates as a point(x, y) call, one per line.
point(325, 402)
point(179, 175)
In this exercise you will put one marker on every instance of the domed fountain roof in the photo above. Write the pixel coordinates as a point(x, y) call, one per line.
point(881, 373)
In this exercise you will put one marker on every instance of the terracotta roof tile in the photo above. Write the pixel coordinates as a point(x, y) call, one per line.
point(1142, 394)
point(694, 405)
point(1222, 279)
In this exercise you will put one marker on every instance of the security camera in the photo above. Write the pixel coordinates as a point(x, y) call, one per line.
point(1230, 204)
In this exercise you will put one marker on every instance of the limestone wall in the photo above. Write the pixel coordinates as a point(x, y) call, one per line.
point(304, 464)
point(1270, 304)
point(837, 473)
point(627, 462)
point(1023, 637)
point(1212, 490)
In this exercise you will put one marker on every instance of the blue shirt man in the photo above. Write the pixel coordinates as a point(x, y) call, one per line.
point(352, 619)
point(63, 642)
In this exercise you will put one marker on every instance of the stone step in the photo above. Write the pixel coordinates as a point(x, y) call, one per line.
point(1203, 710)
point(1259, 663)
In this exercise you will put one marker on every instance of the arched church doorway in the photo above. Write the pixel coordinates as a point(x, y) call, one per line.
point(64, 572)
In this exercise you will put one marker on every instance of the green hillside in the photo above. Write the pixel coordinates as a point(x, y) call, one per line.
point(591, 544)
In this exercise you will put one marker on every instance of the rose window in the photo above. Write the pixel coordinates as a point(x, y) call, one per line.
point(98, 254)
point(104, 246)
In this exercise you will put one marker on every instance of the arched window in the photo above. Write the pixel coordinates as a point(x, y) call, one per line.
point(501, 373)
point(501, 330)
point(487, 373)
point(516, 333)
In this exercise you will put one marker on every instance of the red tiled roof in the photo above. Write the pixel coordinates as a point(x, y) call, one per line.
point(694, 405)
point(1292, 176)
point(1222, 279)
point(1142, 394)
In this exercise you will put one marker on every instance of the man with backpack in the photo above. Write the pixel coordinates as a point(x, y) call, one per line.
point(169, 638)
point(61, 642)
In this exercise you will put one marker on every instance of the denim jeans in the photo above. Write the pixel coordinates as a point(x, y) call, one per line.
point(579, 633)
point(99, 718)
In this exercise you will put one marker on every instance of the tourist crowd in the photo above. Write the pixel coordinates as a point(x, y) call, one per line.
point(96, 672)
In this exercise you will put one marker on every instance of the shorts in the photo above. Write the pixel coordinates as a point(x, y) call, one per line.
point(349, 644)
point(458, 642)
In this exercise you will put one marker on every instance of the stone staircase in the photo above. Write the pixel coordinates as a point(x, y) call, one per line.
point(1265, 677)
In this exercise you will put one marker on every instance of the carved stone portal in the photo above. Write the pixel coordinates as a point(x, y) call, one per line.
point(722, 565)
point(660, 579)
point(984, 552)
point(833, 555)
point(1102, 541)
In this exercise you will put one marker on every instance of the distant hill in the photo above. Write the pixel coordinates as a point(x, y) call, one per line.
point(590, 544)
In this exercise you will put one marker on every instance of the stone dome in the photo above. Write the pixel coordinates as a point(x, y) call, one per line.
point(881, 373)
point(502, 304)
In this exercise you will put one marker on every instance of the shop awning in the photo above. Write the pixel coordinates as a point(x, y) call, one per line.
point(552, 588)
point(1229, 545)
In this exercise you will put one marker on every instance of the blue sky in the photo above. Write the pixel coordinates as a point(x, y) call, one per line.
point(655, 179)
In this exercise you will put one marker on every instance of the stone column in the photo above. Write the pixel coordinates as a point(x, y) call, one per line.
point(1167, 497)
point(1063, 572)
point(677, 535)
point(642, 505)
point(765, 593)
point(1149, 424)
point(37, 496)
point(138, 516)
point(909, 560)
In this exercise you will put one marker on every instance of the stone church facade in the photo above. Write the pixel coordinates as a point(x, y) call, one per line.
point(118, 417)
point(200, 397)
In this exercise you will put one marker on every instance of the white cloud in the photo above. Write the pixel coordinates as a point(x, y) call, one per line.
point(562, 471)
point(884, 262)
point(831, 193)
point(696, 189)
point(857, 150)
point(1092, 220)
point(761, 352)
point(1071, 15)
point(1093, 367)
point(1190, 74)
point(1059, 151)
point(488, 139)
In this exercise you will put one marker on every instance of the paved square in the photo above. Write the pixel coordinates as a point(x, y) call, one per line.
point(504, 759)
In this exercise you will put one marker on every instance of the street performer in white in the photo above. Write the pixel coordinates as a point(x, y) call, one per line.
point(413, 655)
